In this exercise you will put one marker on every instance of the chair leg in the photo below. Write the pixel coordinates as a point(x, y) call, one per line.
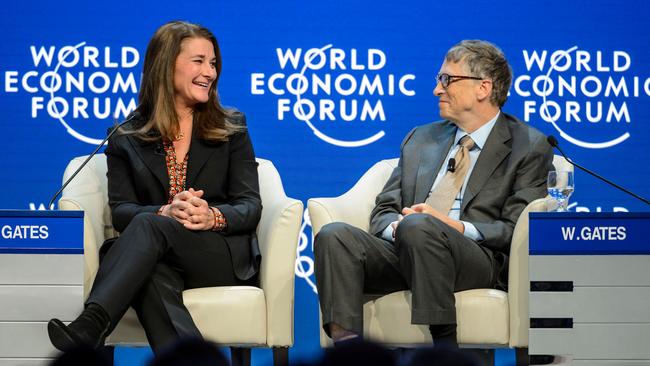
point(521, 357)
point(484, 356)
point(240, 356)
point(108, 353)
point(280, 356)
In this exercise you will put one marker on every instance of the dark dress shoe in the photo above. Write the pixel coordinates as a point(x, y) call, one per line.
point(89, 329)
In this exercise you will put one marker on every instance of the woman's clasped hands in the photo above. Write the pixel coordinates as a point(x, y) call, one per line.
point(191, 210)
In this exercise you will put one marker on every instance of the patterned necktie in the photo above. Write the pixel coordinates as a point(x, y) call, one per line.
point(443, 196)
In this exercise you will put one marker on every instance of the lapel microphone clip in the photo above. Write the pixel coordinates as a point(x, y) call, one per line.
point(451, 165)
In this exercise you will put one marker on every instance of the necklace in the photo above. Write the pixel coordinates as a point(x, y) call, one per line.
point(179, 136)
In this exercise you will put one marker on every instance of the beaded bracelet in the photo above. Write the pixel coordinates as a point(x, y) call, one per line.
point(219, 220)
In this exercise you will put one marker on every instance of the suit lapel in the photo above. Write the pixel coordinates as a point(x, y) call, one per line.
point(152, 155)
point(494, 151)
point(200, 152)
point(431, 156)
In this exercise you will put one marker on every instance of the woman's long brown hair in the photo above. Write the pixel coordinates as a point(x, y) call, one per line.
point(211, 120)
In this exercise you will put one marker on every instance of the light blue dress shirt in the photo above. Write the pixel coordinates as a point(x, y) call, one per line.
point(479, 136)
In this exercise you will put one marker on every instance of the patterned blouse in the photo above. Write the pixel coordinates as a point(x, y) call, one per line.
point(177, 171)
point(177, 178)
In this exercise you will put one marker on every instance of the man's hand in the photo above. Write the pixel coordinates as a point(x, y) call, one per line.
point(426, 209)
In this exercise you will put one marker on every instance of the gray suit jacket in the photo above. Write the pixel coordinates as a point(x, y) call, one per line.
point(510, 172)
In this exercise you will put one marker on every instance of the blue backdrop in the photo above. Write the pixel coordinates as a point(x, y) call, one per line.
point(328, 87)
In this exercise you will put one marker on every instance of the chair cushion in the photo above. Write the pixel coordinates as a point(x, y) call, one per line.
point(229, 314)
point(482, 315)
point(234, 315)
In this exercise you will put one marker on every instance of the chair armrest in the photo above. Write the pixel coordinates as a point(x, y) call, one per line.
point(278, 233)
point(91, 238)
point(350, 208)
point(355, 205)
point(518, 279)
point(87, 192)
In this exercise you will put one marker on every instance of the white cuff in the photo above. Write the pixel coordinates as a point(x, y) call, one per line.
point(471, 231)
point(388, 232)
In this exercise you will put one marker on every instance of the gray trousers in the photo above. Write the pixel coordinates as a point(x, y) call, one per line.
point(428, 257)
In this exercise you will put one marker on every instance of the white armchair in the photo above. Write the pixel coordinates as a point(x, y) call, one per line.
point(237, 316)
point(486, 317)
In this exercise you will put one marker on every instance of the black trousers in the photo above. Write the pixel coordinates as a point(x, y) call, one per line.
point(149, 266)
point(428, 257)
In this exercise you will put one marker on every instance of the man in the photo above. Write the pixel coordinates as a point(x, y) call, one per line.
point(444, 220)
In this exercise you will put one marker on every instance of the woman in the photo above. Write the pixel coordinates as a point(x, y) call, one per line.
point(183, 192)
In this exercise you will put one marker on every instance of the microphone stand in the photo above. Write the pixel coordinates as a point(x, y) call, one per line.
point(553, 142)
point(87, 160)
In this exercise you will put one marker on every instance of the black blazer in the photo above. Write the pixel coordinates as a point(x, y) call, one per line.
point(226, 171)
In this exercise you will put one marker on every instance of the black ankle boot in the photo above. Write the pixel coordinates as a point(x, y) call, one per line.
point(89, 329)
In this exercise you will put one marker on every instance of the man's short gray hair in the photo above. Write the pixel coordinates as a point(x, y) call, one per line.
point(485, 60)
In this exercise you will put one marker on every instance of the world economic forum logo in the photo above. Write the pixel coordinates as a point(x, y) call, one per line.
point(587, 96)
point(305, 253)
point(338, 94)
point(78, 85)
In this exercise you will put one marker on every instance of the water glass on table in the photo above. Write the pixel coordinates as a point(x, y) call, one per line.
point(560, 187)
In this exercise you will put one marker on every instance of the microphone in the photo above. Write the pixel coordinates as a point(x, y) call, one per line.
point(451, 165)
point(553, 142)
point(133, 115)
point(159, 150)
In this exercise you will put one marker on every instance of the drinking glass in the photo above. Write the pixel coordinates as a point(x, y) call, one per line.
point(560, 187)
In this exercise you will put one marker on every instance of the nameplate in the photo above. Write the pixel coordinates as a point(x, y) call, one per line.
point(571, 233)
point(52, 232)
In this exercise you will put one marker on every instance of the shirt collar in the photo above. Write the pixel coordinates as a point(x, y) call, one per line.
point(480, 135)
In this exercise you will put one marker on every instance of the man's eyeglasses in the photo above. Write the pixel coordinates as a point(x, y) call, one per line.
point(446, 79)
